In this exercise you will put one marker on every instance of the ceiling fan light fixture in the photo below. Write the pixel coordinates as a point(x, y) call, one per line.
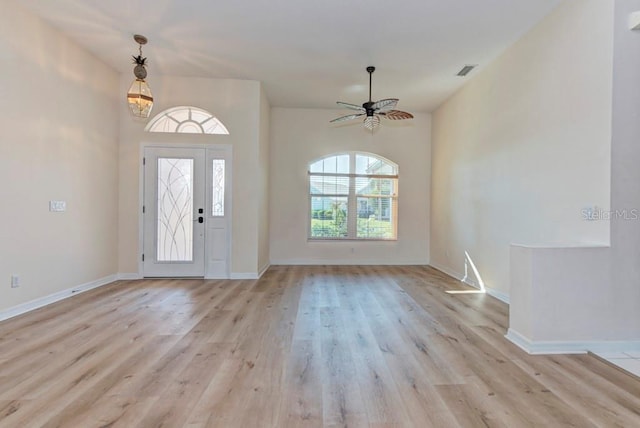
point(371, 122)
point(139, 97)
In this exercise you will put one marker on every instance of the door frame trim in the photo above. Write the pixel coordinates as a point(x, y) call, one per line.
point(229, 186)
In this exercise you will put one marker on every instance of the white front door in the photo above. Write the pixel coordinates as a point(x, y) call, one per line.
point(174, 212)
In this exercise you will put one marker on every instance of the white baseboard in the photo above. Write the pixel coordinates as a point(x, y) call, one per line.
point(470, 282)
point(244, 275)
point(345, 262)
point(500, 295)
point(55, 297)
point(457, 275)
point(263, 270)
point(241, 275)
point(250, 275)
point(129, 276)
point(570, 347)
point(452, 273)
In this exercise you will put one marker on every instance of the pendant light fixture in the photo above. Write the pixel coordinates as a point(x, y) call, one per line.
point(139, 96)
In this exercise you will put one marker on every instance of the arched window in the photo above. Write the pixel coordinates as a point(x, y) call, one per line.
point(353, 196)
point(187, 120)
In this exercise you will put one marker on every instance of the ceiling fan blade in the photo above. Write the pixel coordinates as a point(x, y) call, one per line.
point(351, 106)
point(347, 117)
point(396, 115)
point(385, 105)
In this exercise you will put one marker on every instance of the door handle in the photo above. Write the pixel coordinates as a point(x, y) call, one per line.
point(200, 219)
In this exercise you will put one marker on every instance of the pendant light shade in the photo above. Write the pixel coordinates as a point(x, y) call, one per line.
point(139, 96)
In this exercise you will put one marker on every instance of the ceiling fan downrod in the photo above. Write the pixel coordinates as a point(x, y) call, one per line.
point(368, 105)
point(370, 70)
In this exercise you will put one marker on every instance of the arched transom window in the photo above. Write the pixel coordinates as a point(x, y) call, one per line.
point(187, 120)
point(353, 196)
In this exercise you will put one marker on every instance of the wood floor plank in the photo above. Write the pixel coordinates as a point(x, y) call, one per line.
point(405, 315)
point(70, 387)
point(471, 408)
point(495, 374)
point(341, 397)
point(105, 401)
point(178, 398)
point(414, 381)
point(302, 401)
point(304, 346)
point(378, 389)
point(70, 357)
point(574, 389)
point(8, 408)
point(219, 403)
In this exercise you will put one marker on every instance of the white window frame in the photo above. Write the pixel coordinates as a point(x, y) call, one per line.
point(168, 122)
point(352, 197)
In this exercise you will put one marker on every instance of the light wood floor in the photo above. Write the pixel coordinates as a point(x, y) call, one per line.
point(303, 346)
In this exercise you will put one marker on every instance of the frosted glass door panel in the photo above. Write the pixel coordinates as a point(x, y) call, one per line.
point(175, 209)
point(217, 186)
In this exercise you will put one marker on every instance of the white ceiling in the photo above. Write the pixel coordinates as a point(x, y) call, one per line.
point(307, 53)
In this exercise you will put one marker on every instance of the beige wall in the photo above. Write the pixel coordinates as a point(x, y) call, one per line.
point(237, 104)
point(59, 141)
point(299, 136)
point(524, 147)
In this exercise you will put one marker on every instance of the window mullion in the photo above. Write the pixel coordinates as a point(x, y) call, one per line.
point(352, 211)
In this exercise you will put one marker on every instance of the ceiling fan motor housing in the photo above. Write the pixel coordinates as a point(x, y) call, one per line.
point(368, 106)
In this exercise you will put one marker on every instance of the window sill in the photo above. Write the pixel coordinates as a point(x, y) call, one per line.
point(352, 240)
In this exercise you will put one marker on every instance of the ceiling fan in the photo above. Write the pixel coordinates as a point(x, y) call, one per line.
point(374, 110)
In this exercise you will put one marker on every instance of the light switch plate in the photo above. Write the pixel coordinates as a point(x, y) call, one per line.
point(57, 206)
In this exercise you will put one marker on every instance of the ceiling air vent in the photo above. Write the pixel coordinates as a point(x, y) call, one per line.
point(466, 70)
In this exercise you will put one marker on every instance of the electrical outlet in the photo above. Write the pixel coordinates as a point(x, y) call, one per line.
point(15, 281)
